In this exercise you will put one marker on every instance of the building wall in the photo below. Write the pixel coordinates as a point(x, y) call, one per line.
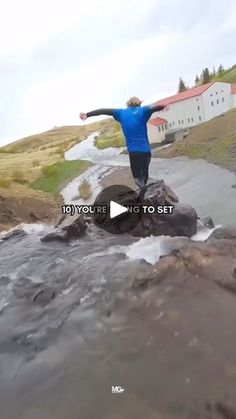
point(193, 111)
point(217, 100)
point(183, 114)
point(154, 135)
point(234, 101)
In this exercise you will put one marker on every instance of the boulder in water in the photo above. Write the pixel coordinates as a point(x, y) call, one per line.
point(44, 296)
point(18, 232)
point(182, 221)
point(213, 260)
point(71, 228)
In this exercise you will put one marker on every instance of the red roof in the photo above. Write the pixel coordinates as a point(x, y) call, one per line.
point(157, 121)
point(233, 88)
point(195, 91)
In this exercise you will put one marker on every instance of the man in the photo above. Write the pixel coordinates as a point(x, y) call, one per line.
point(133, 121)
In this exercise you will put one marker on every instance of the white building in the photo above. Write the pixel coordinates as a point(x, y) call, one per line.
point(190, 108)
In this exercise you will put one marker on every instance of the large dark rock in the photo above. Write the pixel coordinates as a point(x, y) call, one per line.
point(182, 221)
point(213, 260)
point(158, 193)
point(71, 228)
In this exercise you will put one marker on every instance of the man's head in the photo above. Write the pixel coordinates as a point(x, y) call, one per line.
point(133, 101)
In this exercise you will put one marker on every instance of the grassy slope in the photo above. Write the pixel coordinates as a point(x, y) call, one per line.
point(62, 172)
point(30, 154)
point(214, 141)
point(111, 136)
point(229, 75)
point(25, 185)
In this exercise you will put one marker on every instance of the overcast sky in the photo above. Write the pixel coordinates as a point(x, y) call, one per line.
point(58, 58)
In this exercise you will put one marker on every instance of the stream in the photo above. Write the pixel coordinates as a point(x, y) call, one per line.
point(170, 347)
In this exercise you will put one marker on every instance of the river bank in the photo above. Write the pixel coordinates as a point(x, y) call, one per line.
point(33, 170)
point(214, 141)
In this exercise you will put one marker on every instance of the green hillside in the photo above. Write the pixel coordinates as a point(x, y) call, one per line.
point(228, 75)
point(214, 140)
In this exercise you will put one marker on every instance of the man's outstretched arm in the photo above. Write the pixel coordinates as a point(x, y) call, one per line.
point(97, 112)
point(156, 108)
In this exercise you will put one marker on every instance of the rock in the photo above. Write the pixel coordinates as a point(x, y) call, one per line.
point(142, 280)
point(158, 193)
point(71, 228)
point(19, 232)
point(226, 411)
point(214, 261)
point(182, 222)
point(56, 235)
point(43, 297)
point(59, 220)
point(223, 233)
point(208, 222)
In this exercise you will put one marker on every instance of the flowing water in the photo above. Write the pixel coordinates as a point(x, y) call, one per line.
point(172, 348)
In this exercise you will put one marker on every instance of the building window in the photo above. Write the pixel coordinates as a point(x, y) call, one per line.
point(182, 121)
point(217, 101)
point(223, 99)
point(211, 94)
point(216, 93)
point(173, 123)
point(179, 121)
point(192, 119)
point(165, 126)
point(197, 100)
point(159, 129)
point(189, 120)
point(170, 124)
point(200, 118)
point(162, 127)
point(212, 103)
point(198, 108)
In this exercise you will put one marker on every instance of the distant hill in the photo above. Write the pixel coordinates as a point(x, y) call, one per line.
point(221, 74)
point(229, 75)
point(63, 137)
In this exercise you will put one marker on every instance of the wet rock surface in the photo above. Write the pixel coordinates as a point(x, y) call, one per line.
point(182, 221)
point(226, 410)
point(18, 232)
point(213, 260)
point(67, 229)
point(44, 296)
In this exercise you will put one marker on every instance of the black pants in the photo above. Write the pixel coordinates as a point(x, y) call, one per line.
point(139, 163)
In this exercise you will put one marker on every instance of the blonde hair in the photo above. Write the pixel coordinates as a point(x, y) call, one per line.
point(134, 101)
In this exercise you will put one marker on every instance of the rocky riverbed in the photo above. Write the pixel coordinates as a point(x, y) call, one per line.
point(153, 315)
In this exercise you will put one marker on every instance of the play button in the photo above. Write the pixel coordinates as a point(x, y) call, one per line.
point(118, 200)
point(116, 209)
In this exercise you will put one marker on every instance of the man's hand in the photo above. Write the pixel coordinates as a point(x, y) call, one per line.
point(83, 116)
